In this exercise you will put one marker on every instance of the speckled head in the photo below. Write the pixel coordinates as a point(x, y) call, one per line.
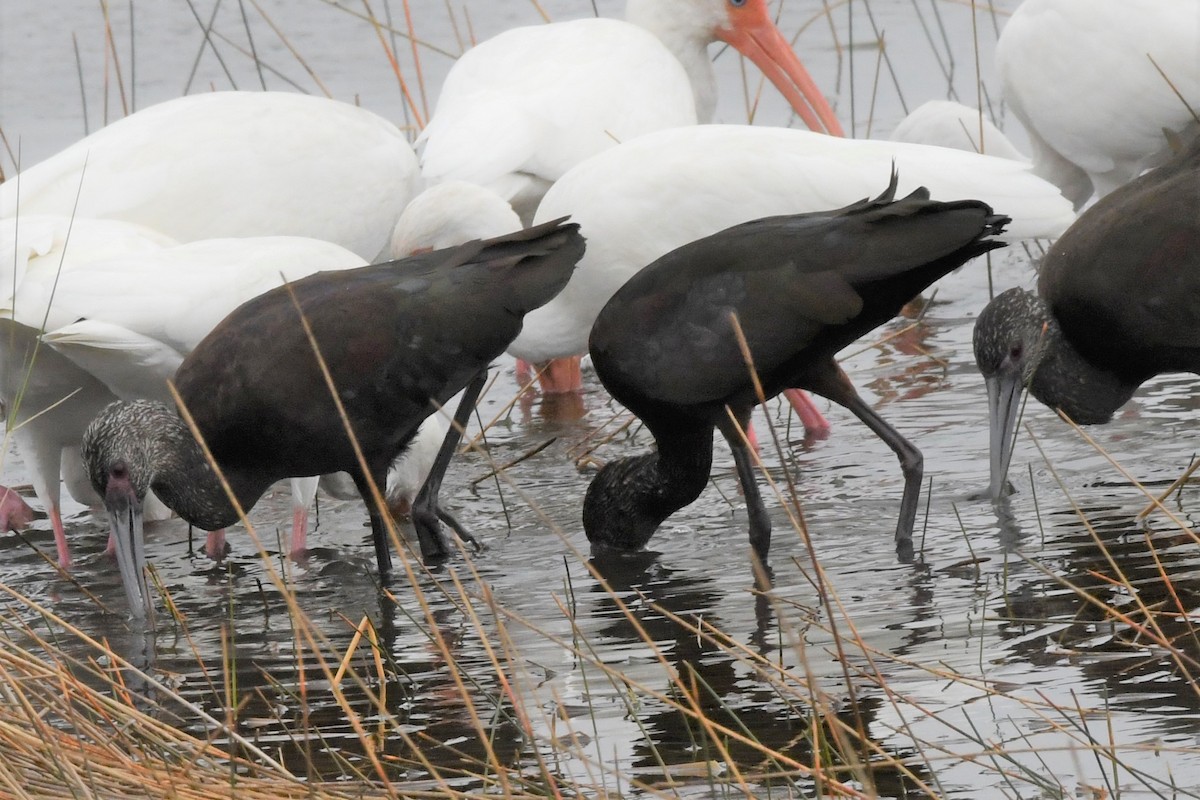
point(1019, 345)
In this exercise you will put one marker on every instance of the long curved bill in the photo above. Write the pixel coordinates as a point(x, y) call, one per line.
point(755, 36)
point(125, 521)
point(1004, 408)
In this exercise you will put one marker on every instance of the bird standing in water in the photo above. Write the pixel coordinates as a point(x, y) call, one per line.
point(400, 339)
point(800, 288)
point(1117, 302)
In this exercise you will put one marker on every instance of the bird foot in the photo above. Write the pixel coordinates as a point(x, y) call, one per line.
point(459, 530)
point(815, 424)
point(215, 546)
point(15, 513)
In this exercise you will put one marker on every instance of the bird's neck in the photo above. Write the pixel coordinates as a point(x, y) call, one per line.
point(630, 497)
point(688, 38)
point(187, 483)
point(1063, 379)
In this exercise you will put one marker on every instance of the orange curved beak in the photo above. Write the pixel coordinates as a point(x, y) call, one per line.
point(755, 36)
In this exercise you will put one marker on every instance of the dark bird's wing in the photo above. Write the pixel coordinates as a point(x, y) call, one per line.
point(397, 338)
point(800, 286)
point(1124, 280)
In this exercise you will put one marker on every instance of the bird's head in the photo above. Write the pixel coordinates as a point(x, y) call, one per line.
point(616, 514)
point(1018, 346)
point(119, 459)
point(745, 25)
point(1009, 338)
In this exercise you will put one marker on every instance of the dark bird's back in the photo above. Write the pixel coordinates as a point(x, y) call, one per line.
point(802, 287)
point(397, 337)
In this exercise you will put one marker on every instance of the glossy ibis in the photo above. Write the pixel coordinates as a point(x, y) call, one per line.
point(714, 176)
point(399, 339)
point(802, 287)
point(1117, 302)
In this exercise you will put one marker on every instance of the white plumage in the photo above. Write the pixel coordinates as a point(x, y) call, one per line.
point(233, 164)
point(520, 109)
point(945, 123)
point(1081, 77)
point(638, 201)
point(48, 399)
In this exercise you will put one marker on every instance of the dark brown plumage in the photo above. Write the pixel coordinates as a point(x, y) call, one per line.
point(802, 288)
point(1117, 302)
point(400, 339)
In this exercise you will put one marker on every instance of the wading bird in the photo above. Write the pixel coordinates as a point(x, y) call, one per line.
point(520, 109)
point(1095, 82)
point(400, 339)
point(799, 288)
point(1117, 302)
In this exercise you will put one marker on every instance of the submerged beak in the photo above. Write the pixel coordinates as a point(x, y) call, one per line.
point(125, 520)
point(1004, 391)
point(755, 36)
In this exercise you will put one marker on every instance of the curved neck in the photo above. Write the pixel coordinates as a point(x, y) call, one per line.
point(1062, 378)
point(184, 480)
point(687, 35)
point(630, 497)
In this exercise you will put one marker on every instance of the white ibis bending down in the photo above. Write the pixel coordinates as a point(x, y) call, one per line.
point(1117, 302)
point(406, 475)
point(520, 109)
point(49, 400)
point(1095, 82)
point(801, 287)
point(130, 321)
point(399, 339)
point(948, 124)
point(450, 213)
point(233, 164)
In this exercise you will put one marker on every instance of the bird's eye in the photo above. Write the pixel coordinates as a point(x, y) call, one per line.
point(737, 3)
point(1016, 351)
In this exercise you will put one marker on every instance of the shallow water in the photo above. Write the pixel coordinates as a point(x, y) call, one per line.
point(1040, 667)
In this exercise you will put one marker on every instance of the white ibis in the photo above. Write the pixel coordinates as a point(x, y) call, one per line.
point(49, 400)
point(948, 124)
point(520, 109)
point(199, 167)
point(233, 164)
point(1095, 83)
point(129, 322)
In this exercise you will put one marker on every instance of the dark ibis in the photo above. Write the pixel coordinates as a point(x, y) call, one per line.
point(1117, 302)
point(802, 287)
point(400, 339)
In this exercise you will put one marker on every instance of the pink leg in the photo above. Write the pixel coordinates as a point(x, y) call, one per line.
point(15, 513)
point(299, 531)
point(215, 546)
point(752, 437)
point(814, 421)
point(60, 538)
point(562, 376)
point(524, 372)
